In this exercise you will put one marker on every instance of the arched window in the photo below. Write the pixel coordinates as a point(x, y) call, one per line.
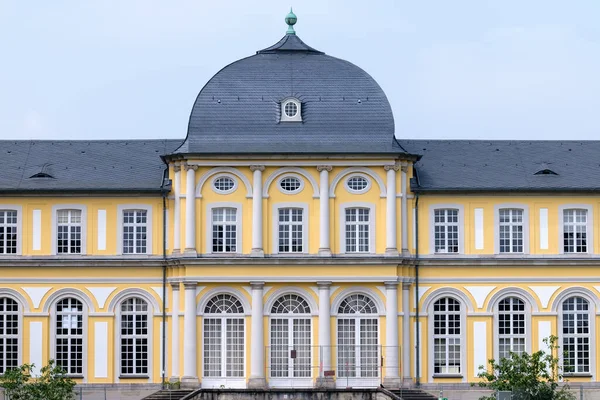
point(223, 337)
point(447, 336)
point(511, 327)
point(9, 334)
point(134, 337)
point(358, 337)
point(576, 335)
point(290, 338)
point(69, 335)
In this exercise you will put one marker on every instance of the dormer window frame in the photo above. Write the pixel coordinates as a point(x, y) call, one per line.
point(287, 103)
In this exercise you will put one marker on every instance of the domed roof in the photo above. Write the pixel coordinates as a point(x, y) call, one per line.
point(342, 108)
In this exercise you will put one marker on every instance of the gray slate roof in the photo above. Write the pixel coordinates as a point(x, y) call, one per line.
point(343, 109)
point(461, 165)
point(83, 166)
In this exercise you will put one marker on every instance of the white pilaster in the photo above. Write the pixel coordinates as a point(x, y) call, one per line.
point(190, 210)
point(325, 334)
point(257, 346)
point(324, 246)
point(177, 209)
point(392, 373)
point(404, 209)
point(391, 246)
point(190, 375)
point(406, 332)
point(175, 332)
point(257, 212)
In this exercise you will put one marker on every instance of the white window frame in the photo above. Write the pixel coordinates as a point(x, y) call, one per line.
point(295, 118)
point(19, 210)
point(510, 336)
point(589, 228)
point(121, 208)
point(84, 225)
point(305, 217)
point(84, 335)
point(372, 230)
point(148, 337)
point(290, 175)
point(591, 335)
point(360, 175)
point(461, 228)
point(526, 231)
point(19, 336)
point(238, 229)
point(228, 381)
point(224, 175)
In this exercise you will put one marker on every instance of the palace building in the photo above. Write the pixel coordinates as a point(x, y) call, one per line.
point(293, 239)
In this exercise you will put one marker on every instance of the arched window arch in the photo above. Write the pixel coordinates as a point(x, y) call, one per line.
point(9, 334)
point(512, 326)
point(358, 340)
point(135, 340)
point(69, 335)
point(223, 339)
point(447, 336)
point(290, 347)
point(576, 333)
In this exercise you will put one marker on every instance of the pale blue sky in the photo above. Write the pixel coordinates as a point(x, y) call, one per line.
point(504, 69)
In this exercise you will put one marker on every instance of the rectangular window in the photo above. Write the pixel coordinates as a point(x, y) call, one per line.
point(224, 230)
point(68, 235)
point(357, 230)
point(135, 231)
point(8, 232)
point(511, 230)
point(291, 230)
point(575, 231)
point(446, 230)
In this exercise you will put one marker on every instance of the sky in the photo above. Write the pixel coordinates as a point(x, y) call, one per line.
point(460, 69)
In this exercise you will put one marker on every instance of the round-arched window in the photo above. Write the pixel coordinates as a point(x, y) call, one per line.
point(291, 109)
point(357, 184)
point(224, 184)
point(290, 184)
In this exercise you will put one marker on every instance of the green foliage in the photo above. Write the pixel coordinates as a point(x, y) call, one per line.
point(529, 376)
point(52, 384)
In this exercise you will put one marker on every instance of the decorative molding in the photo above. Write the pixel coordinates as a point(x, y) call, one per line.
point(480, 293)
point(36, 294)
point(133, 292)
point(544, 293)
point(395, 167)
point(339, 297)
point(190, 166)
point(101, 294)
point(364, 170)
point(224, 170)
point(292, 170)
point(327, 168)
point(422, 291)
point(206, 297)
point(257, 168)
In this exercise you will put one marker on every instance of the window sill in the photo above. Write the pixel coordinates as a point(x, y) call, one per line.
point(447, 375)
point(75, 376)
point(578, 374)
point(134, 377)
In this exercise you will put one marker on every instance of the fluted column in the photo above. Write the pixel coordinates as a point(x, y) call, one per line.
point(190, 210)
point(257, 212)
point(404, 209)
point(406, 350)
point(177, 209)
point(257, 345)
point(392, 377)
point(175, 332)
point(190, 374)
point(324, 245)
point(391, 246)
point(324, 335)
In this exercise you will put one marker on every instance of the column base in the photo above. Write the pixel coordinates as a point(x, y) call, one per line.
point(257, 253)
point(405, 253)
point(324, 252)
point(174, 379)
point(392, 382)
point(408, 382)
point(391, 252)
point(257, 383)
point(190, 382)
point(189, 253)
point(325, 382)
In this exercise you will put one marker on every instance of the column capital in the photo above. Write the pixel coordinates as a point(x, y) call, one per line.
point(394, 167)
point(257, 284)
point(324, 284)
point(327, 168)
point(406, 285)
point(190, 285)
point(189, 166)
point(391, 285)
point(177, 166)
point(404, 168)
point(257, 168)
point(175, 286)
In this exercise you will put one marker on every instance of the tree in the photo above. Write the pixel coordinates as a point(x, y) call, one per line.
point(529, 376)
point(52, 383)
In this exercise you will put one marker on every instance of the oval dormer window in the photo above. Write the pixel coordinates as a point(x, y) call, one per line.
point(290, 184)
point(224, 184)
point(357, 184)
point(290, 110)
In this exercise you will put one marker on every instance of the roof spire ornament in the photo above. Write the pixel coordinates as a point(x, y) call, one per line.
point(291, 20)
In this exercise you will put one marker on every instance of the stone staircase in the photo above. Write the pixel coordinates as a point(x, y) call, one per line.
point(413, 394)
point(176, 394)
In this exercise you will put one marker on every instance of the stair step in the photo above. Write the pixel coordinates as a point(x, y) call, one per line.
point(169, 394)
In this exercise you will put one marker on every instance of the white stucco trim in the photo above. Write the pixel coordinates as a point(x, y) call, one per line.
point(68, 292)
point(124, 294)
point(206, 297)
point(54, 227)
point(274, 295)
point(526, 224)
point(233, 178)
point(343, 294)
point(142, 207)
point(224, 170)
point(238, 224)
point(23, 307)
point(360, 175)
point(275, 232)
point(19, 210)
point(438, 293)
point(461, 227)
point(342, 226)
point(589, 228)
point(530, 304)
point(512, 291)
point(363, 170)
point(291, 171)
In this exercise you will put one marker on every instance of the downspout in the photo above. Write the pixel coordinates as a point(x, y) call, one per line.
point(165, 187)
point(417, 339)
